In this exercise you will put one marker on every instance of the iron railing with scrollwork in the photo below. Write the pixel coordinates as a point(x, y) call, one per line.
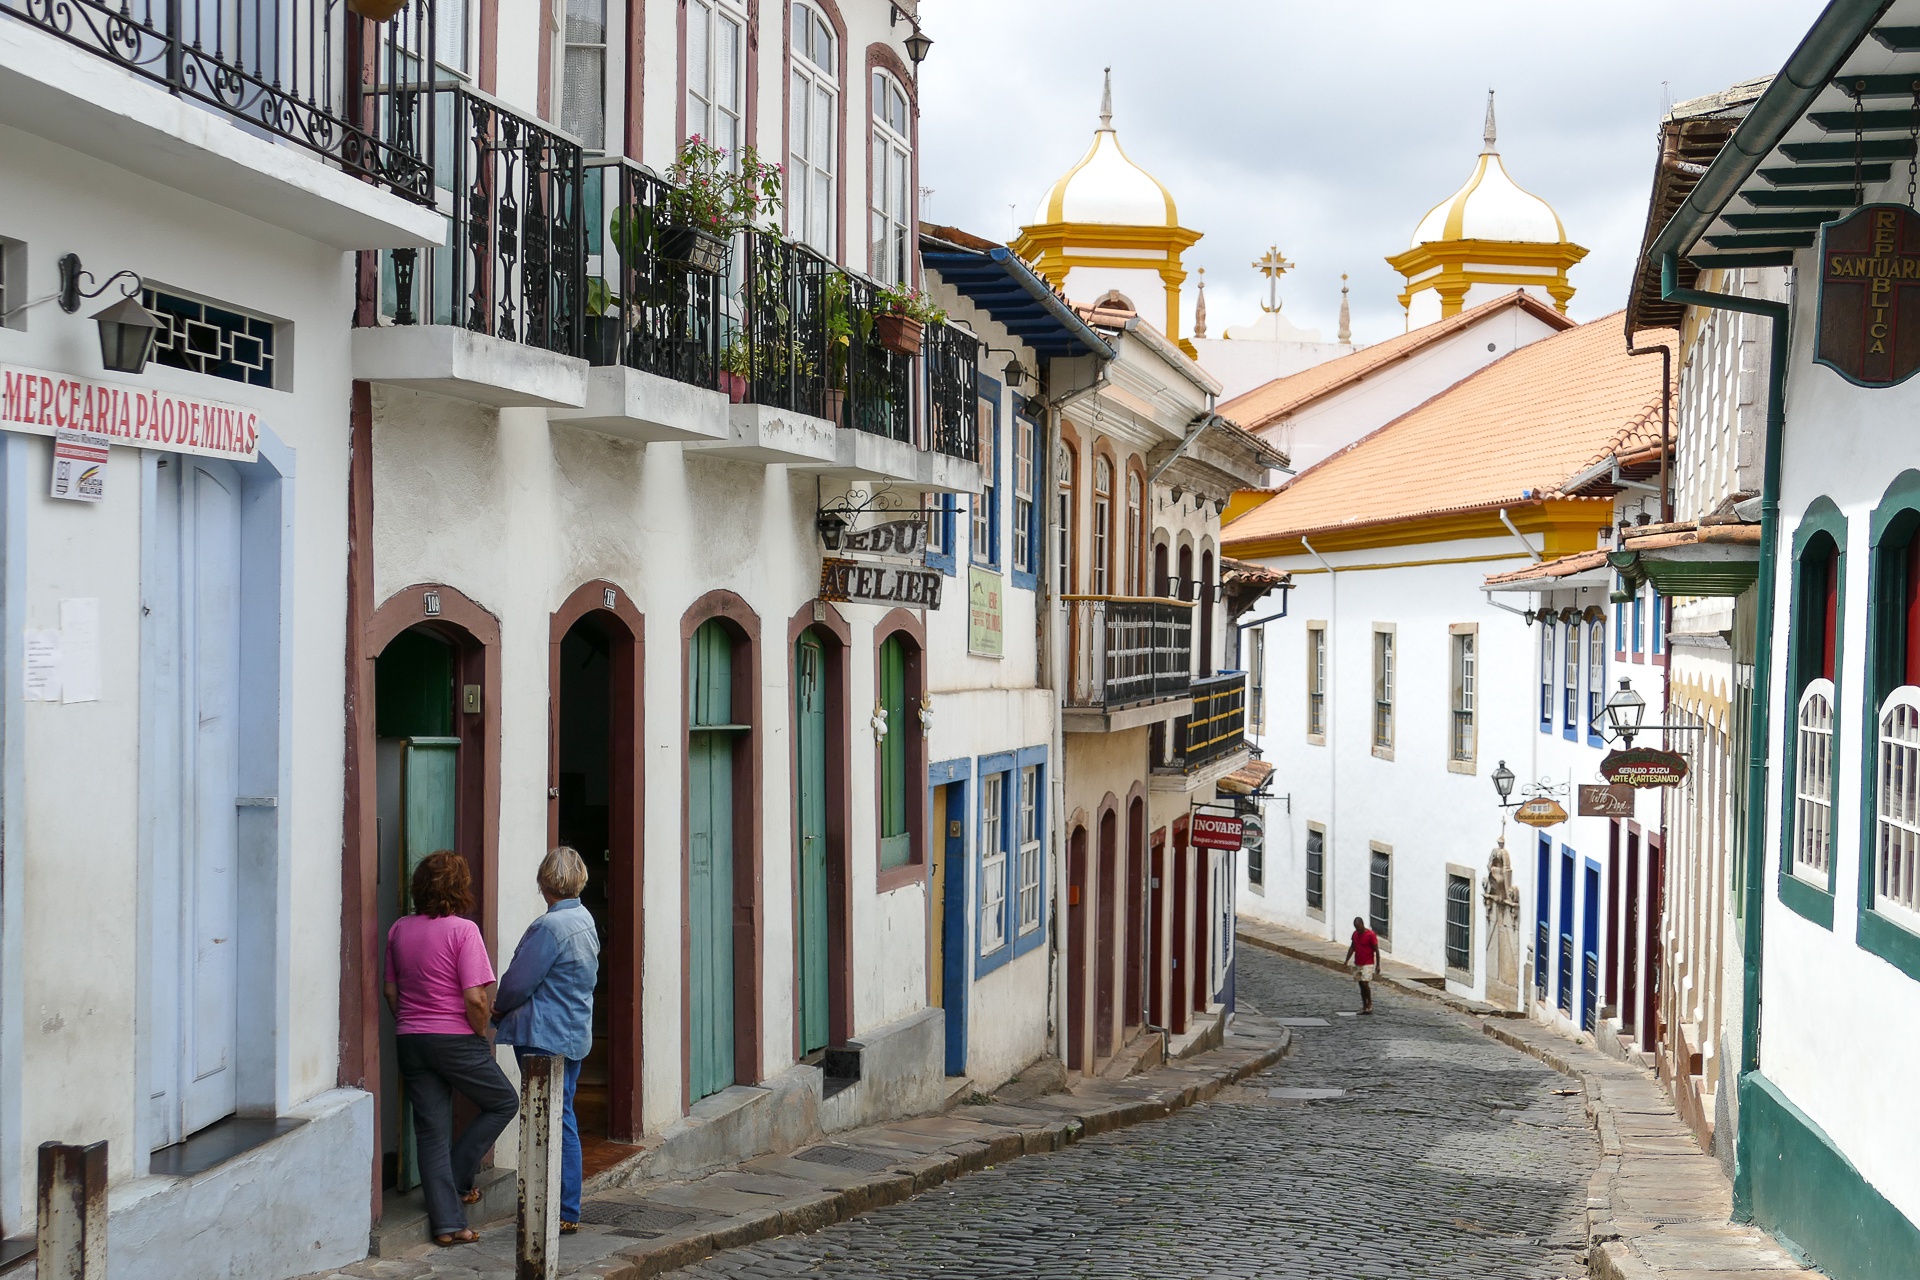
point(298, 69)
point(1126, 650)
point(656, 314)
point(778, 337)
point(1216, 729)
point(513, 265)
point(953, 396)
point(879, 382)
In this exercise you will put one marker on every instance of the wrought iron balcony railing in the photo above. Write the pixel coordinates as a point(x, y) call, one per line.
point(778, 342)
point(1125, 650)
point(298, 69)
point(879, 382)
point(953, 395)
point(646, 310)
point(1216, 729)
point(514, 262)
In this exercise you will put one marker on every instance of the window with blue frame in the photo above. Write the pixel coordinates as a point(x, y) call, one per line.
point(1031, 834)
point(1011, 901)
point(1596, 676)
point(1620, 630)
point(1638, 637)
point(1659, 612)
point(1546, 674)
point(996, 790)
point(940, 512)
point(985, 548)
point(1570, 681)
point(1026, 510)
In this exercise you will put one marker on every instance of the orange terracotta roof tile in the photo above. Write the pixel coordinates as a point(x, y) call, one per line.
point(1516, 431)
point(1272, 401)
point(1564, 567)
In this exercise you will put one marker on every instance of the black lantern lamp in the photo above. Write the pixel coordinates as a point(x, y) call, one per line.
point(833, 529)
point(917, 46)
point(1625, 709)
point(127, 329)
point(1014, 373)
point(1503, 782)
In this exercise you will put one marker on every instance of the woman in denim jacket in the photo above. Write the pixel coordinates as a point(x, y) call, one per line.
point(545, 1003)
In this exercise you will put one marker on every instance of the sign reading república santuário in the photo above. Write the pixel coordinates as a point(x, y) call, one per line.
point(1869, 328)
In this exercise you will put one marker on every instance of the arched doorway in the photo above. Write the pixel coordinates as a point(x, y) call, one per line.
point(1106, 939)
point(1135, 941)
point(1180, 980)
point(1161, 587)
point(1157, 887)
point(1200, 979)
point(595, 796)
point(1077, 888)
point(720, 1009)
point(822, 954)
point(1205, 608)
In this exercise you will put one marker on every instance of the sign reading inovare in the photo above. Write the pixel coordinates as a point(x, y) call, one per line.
point(44, 402)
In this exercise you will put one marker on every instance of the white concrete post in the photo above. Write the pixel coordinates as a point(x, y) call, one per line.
point(73, 1211)
point(542, 1100)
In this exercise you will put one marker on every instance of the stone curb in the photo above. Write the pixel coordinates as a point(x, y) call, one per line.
point(1472, 1008)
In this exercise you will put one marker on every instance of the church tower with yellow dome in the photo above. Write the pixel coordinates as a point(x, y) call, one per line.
point(1483, 240)
point(1110, 227)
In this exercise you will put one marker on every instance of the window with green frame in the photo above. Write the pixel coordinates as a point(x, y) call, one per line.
point(896, 835)
point(1810, 769)
point(1889, 923)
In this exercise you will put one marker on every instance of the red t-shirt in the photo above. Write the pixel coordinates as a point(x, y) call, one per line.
point(1366, 946)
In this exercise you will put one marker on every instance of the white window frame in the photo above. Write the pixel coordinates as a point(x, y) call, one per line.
point(1385, 636)
point(709, 114)
point(1256, 664)
point(1896, 822)
point(1031, 833)
point(813, 180)
point(1136, 558)
point(1026, 443)
point(1813, 784)
point(1064, 498)
point(1548, 630)
point(993, 863)
point(1317, 684)
point(1570, 680)
point(593, 139)
point(890, 181)
point(1102, 581)
point(1463, 725)
point(1596, 629)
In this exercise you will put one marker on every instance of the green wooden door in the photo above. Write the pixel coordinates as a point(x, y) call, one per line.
point(429, 808)
point(896, 844)
point(810, 697)
point(710, 860)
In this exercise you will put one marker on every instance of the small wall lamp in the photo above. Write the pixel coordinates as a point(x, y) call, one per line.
point(127, 329)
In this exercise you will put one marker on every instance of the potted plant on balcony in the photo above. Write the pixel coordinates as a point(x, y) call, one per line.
point(711, 199)
point(839, 326)
point(903, 318)
point(604, 323)
point(742, 360)
point(377, 10)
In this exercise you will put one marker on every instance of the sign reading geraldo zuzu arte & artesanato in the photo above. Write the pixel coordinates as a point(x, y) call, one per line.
point(1869, 330)
point(1644, 767)
point(850, 580)
point(45, 402)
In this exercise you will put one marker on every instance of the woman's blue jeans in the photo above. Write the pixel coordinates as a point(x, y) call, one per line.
point(570, 1178)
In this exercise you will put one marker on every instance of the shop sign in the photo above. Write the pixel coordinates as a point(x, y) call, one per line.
point(1869, 330)
point(1541, 811)
point(845, 581)
point(1644, 767)
point(79, 465)
point(894, 538)
point(1253, 833)
point(43, 402)
point(1606, 802)
point(1214, 831)
point(984, 632)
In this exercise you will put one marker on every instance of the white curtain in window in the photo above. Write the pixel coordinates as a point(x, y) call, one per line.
point(583, 77)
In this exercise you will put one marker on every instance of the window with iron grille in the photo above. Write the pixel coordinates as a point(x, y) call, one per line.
point(205, 337)
point(1460, 923)
point(1464, 676)
point(1316, 868)
point(1380, 893)
point(1382, 691)
point(1317, 683)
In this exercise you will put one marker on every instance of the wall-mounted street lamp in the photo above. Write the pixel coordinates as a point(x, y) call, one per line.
point(832, 527)
point(1015, 373)
point(1503, 783)
point(1625, 710)
point(917, 43)
point(127, 329)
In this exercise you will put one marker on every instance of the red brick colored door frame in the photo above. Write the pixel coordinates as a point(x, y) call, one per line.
point(1157, 930)
point(1077, 895)
point(836, 642)
point(1106, 940)
point(622, 950)
point(743, 624)
point(1650, 1028)
point(903, 623)
point(1201, 977)
point(1178, 1005)
point(1134, 935)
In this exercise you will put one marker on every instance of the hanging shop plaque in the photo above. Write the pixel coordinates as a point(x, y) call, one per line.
point(1606, 802)
point(1644, 767)
point(1541, 811)
point(846, 581)
point(1869, 330)
point(1214, 831)
point(894, 538)
point(985, 634)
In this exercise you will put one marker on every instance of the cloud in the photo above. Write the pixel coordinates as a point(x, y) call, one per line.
point(1330, 128)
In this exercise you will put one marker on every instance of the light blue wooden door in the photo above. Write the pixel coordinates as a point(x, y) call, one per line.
point(810, 714)
point(711, 737)
point(429, 799)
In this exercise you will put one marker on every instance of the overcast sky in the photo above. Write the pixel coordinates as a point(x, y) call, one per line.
point(1330, 127)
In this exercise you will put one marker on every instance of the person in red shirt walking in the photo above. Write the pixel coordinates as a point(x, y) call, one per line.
point(1364, 954)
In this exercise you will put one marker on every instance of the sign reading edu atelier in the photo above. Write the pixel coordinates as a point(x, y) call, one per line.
point(1869, 330)
point(44, 402)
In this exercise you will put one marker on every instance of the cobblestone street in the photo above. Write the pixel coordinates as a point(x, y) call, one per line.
point(1449, 1155)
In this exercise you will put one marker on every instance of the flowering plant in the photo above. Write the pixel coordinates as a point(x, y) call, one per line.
point(912, 303)
point(719, 198)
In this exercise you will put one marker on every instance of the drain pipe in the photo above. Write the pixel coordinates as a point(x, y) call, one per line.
point(1666, 423)
point(1518, 536)
point(1329, 861)
point(1760, 720)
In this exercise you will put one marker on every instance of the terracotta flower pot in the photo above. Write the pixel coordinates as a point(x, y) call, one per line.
point(834, 405)
point(377, 10)
point(899, 333)
point(735, 385)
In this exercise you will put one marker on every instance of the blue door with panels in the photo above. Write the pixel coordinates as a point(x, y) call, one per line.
point(1542, 917)
point(1566, 930)
point(1590, 947)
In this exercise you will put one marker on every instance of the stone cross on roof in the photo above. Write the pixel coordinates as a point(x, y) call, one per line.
point(1273, 266)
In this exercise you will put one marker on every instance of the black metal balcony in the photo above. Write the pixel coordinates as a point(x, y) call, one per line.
point(655, 313)
point(879, 382)
point(953, 392)
point(1125, 650)
point(1216, 729)
point(513, 265)
point(298, 69)
point(778, 341)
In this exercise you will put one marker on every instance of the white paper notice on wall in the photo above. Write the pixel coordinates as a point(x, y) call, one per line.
point(79, 465)
point(43, 666)
point(80, 650)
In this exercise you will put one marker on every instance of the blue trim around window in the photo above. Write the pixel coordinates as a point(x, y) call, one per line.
point(989, 390)
point(1037, 758)
point(1003, 763)
point(942, 517)
point(1549, 674)
point(1658, 612)
point(1027, 576)
point(1596, 698)
point(1570, 693)
point(1620, 630)
point(1639, 623)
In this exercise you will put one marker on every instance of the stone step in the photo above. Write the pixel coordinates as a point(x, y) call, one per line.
point(403, 1215)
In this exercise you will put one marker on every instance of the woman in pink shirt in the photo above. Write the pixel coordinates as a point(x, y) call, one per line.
point(440, 988)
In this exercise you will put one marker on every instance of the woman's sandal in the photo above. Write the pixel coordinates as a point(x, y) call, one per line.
point(451, 1238)
point(569, 1228)
point(470, 1196)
